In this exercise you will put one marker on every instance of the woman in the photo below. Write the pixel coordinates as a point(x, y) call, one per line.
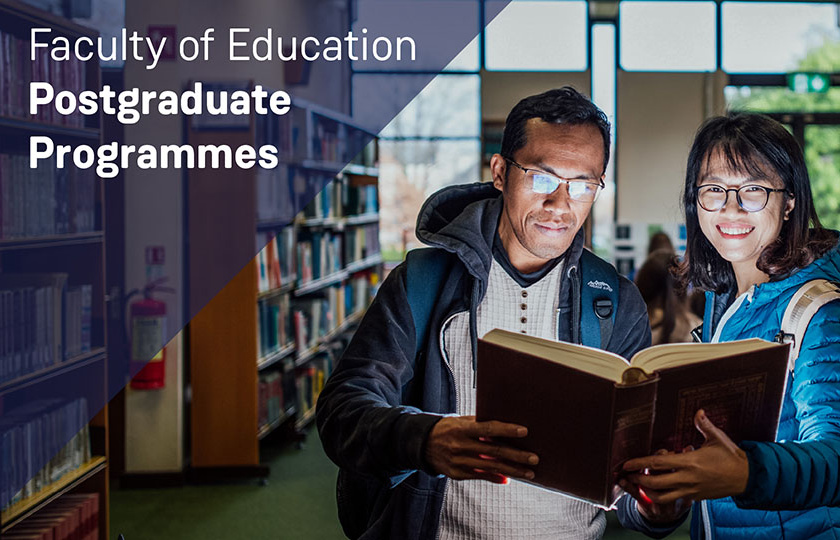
point(753, 239)
point(670, 319)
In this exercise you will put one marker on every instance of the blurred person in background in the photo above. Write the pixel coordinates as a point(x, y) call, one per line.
point(670, 319)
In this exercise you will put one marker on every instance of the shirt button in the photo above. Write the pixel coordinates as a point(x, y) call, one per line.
point(524, 306)
point(524, 294)
point(524, 320)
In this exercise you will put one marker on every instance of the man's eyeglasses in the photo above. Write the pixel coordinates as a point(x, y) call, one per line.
point(751, 198)
point(579, 189)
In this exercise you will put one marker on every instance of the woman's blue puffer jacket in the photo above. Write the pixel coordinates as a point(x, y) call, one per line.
point(801, 472)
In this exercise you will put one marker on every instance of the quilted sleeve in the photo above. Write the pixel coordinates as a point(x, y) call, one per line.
point(804, 473)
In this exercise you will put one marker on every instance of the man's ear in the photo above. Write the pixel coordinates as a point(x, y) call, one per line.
point(498, 168)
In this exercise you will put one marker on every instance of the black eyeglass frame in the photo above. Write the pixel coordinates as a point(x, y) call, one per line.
point(562, 180)
point(767, 192)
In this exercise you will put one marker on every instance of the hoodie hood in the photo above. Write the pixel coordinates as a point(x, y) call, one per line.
point(463, 219)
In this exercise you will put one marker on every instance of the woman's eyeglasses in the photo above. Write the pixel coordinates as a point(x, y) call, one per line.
point(751, 198)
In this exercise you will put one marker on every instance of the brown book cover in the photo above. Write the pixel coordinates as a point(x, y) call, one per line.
point(588, 411)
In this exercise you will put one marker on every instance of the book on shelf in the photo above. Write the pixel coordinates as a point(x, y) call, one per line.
point(327, 203)
point(274, 324)
point(329, 142)
point(309, 381)
point(75, 516)
point(271, 403)
point(46, 200)
point(359, 291)
point(275, 261)
point(314, 318)
point(18, 71)
point(360, 242)
point(40, 442)
point(43, 322)
point(278, 131)
point(319, 255)
point(363, 144)
point(361, 199)
point(275, 194)
point(587, 411)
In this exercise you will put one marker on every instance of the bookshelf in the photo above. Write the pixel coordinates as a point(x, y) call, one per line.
point(53, 351)
point(261, 349)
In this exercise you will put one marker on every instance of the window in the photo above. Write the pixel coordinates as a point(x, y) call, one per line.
point(433, 142)
point(536, 36)
point(774, 37)
point(450, 19)
point(667, 36)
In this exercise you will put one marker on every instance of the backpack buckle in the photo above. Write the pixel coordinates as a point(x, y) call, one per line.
point(603, 308)
point(783, 337)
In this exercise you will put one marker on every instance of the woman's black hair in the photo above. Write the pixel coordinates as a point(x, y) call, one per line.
point(751, 144)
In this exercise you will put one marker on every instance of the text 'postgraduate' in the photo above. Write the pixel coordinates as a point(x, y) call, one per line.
point(129, 105)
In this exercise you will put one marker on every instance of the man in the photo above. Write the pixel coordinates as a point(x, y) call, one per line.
point(399, 421)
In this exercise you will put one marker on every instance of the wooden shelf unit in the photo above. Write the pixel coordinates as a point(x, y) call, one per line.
point(77, 252)
point(224, 343)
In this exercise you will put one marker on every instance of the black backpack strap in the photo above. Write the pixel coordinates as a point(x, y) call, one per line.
point(598, 300)
point(357, 495)
point(426, 268)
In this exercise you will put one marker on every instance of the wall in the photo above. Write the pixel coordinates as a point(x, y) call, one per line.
point(658, 114)
point(500, 91)
point(154, 209)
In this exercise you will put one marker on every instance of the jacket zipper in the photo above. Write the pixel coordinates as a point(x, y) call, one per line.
point(707, 522)
point(454, 386)
point(571, 274)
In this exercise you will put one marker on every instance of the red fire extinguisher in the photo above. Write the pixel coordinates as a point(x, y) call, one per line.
point(147, 324)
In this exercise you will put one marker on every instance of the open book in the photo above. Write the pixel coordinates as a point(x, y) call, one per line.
point(587, 411)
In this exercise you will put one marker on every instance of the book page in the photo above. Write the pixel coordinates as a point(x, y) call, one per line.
point(680, 354)
point(603, 364)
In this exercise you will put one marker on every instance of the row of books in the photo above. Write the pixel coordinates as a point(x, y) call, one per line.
point(271, 406)
point(74, 516)
point(361, 200)
point(361, 242)
point(17, 71)
point(34, 446)
point(314, 317)
point(359, 291)
point(274, 324)
point(276, 261)
point(45, 200)
point(43, 322)
point(280, 191)
point(309, 381)
point(280, 131)
point(358, 139)
point(329, 141)
point(318, 255)
point(328, 203)
point(276, 196)
point(342, 198)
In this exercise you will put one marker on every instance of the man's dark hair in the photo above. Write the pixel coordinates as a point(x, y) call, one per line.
point(751, 144)
point(559, 106)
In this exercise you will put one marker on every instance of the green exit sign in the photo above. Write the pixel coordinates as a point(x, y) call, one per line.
point(803, 83)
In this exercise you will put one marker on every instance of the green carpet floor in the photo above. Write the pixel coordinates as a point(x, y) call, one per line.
point(297, 503)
